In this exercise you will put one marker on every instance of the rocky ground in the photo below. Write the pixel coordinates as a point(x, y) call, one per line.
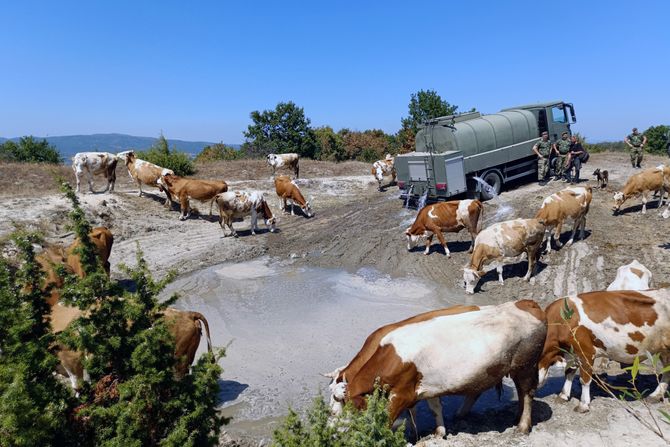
point(356, 226)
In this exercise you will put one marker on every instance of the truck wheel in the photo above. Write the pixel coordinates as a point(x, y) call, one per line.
point(493, 179)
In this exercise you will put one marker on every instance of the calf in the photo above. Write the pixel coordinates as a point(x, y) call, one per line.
point(95, 163)
point(617, 325)
point(287, 190)
point(428, 356)
point(602, 177)
point(234, 205)
point(504, 243)
point(572, 202)
point(186, 188)
point(384, 168)
point(143, 172)
point(288, 161)
point(633, 276)
point(451, 217)
point(648, 181)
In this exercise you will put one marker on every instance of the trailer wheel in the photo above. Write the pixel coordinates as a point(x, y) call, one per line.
point(494, 179)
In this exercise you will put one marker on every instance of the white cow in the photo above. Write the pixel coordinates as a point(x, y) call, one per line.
point(633, 276)
point(384, 168)
point(288, 161)
point(235, 205)
point(95, 163)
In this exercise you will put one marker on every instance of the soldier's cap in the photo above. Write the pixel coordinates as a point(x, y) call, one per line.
point(545, 133)
point(634, 129)
point(564, 133)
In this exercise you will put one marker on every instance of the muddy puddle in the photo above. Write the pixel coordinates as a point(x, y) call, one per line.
point(285, 325)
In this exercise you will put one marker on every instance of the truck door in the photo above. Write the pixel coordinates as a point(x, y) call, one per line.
point(558, 122)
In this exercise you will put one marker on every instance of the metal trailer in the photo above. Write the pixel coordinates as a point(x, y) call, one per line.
point(452, 150)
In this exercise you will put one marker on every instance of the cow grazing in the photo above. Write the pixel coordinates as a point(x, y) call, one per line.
point(504, 243)
point(55, 256)
point(617, 325)
point(235, 205)
point(648, 181)
point(288, 161)
point(384, 168)
point(289, 192)
point(602, 177)
point(427, 356)
point(451, 217)
point(186, 188)
point(144, 173)
point(185, 327)
point(572, 202)
point(95, 163)
point(633, 276)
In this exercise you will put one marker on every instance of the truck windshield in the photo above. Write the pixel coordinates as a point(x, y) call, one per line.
point(558, 114)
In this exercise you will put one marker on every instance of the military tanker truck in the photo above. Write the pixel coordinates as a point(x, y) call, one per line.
point(497, 148)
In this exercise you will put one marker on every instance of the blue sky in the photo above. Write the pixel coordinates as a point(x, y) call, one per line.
point(195, 70)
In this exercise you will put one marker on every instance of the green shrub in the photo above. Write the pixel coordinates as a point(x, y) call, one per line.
point(165, 157)
point(218, 152)
point(134, 397)
point(30, 150)
point(369, 427)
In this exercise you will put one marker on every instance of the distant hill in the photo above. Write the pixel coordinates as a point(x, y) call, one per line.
point(115, 142)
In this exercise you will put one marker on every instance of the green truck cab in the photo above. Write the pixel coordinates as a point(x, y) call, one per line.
point(452, 150)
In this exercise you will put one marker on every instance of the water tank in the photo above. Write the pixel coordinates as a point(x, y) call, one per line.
point(481, 133)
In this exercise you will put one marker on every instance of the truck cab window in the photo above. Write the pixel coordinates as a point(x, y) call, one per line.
point(558, 114)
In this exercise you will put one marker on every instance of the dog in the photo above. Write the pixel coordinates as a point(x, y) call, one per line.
point(602, 177)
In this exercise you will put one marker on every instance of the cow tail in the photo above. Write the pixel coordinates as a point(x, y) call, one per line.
point(197, 316)
point(211, 204)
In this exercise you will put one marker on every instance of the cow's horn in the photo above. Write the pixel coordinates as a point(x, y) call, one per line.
point(331, 375)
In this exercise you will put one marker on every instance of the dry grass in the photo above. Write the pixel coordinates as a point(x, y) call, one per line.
point(32, 179)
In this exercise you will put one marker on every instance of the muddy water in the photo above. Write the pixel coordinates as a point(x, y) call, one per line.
point(285, 325)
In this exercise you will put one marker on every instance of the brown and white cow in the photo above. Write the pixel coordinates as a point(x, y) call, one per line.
point(288, 191)
point(649, 181)
point(185, 327)
point(617, 325)
point(450, 217)
point(384, 168)
point(504, 243)
point(144, 173)
point(235, 205)
point(54, 256)
point(632, 276)
point(95, 163)
point(427, 356)
point(189, 188)
point(572, 202)
point(287, 161)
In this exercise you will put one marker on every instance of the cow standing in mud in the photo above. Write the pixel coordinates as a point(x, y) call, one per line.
point(235, 205)
point(450, 217)
point(428, 356)
point(288, 191)
point(384, 168)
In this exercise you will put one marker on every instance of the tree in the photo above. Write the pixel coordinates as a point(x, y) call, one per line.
point(284, 129)
point(330, 144)
point(369, 145)
point(425, 105)
point(656, 142)
point(30, 150)
point(161, 154)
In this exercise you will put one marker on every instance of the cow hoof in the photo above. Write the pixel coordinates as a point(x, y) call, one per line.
point(654, 398)
point(561, 398)
point(182, 217)
point(581, 408)
point(522, 429)
point(440, 432)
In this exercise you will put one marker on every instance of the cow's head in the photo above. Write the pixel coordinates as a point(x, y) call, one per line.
point(126, 156)
point(268, 218)
point(413, 239)
point(619, 199)
point(470, 278)
point(307, 209)
point(271, 159)
point(338, 393)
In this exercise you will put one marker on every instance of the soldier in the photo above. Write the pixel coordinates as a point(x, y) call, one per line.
point(636, 142)
point(666, 137)
point(543, 150)
point(575, 159)
point(561, 149)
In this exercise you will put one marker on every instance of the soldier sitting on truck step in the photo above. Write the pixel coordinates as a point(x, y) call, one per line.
point(543, 150)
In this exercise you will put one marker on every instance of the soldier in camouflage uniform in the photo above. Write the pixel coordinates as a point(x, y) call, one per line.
point(543, 150)
point(562, 148)
point(636, 141)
